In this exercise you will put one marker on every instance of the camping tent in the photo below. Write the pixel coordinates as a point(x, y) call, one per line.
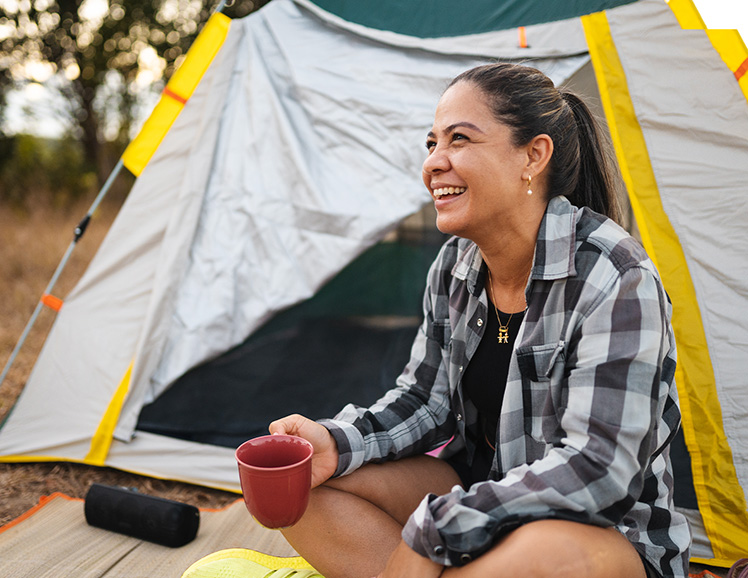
point(289, 145)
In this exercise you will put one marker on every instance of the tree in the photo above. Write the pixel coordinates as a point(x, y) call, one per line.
point(100, 57)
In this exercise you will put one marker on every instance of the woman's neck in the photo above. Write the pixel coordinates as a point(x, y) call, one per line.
point(509, 263)
point(506, 284)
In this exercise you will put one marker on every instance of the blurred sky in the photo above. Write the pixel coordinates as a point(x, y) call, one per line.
point(715, 13)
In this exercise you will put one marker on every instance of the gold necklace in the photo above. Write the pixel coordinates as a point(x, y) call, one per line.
point(503, 336)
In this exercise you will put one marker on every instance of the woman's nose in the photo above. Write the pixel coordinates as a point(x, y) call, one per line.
point(435, 162)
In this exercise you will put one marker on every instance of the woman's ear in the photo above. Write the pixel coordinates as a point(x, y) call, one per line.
point(539, 152)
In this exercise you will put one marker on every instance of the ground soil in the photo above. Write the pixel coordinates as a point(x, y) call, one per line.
point(32, 243)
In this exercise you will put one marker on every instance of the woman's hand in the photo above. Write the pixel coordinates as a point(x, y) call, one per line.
point(325, 458)
point(405, 563)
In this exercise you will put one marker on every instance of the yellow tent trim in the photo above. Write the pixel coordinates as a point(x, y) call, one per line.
point(102, 439)
point(177, 92)
point(720, 496)
point(728, 43)
point(33, 459)
point(687, 14)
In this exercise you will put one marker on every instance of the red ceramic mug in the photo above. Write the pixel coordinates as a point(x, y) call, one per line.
point(275, 472)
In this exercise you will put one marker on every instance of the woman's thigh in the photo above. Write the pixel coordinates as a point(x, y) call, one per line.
point(398, 487)
point(558, 549)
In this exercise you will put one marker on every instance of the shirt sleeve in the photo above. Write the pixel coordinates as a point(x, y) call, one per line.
point(412, 418)
point(613, 393)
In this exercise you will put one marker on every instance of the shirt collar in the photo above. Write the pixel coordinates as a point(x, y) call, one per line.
point(554, 249)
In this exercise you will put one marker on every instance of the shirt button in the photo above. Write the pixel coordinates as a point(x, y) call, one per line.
point(465, 558)
point(438, 549)
point(459, 417)
point(461, 369)
point(480, 322)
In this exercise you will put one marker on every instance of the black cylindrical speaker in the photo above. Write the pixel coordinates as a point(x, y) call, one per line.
point(146, 517)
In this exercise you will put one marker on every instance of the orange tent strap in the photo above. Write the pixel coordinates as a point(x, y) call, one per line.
point(174, 95)
point(742, 69)
point(54, 303)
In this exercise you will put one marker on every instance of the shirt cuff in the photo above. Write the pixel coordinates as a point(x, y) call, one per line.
point(350, 442)
point(421, 535)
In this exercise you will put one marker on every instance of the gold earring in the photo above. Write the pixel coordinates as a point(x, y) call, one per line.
point(529, 184)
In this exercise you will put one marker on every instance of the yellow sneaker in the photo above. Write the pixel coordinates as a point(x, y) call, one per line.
point(243, 563)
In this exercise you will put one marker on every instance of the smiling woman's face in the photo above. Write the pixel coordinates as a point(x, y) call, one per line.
point(475, 174)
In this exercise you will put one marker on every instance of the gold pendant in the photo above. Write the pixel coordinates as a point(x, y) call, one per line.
point(503, 334)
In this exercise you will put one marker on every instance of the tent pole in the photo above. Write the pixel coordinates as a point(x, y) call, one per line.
point(79, 230)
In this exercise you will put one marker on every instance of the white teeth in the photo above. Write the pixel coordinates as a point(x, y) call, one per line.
point(449, 191)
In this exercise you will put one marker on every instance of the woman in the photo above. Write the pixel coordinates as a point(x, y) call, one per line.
point(546, 355)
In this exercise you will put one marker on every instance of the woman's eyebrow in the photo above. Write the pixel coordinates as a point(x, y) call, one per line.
point(464, 124)
point(452, 127)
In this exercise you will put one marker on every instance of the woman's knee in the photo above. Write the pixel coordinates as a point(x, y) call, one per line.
point(398, 487)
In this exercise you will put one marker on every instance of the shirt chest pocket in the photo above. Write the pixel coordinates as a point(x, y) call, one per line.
point(543, 371)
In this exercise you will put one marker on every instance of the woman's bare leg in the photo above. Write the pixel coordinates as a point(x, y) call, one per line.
point(354, 523)
point(556, 549)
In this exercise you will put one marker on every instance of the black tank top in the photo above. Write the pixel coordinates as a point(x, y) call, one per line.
point(484, 383)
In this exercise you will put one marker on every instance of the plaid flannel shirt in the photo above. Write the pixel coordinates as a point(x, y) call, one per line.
point(590, 405)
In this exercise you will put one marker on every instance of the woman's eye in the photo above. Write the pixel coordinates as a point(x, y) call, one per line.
point(430, 144)
point(459, 136)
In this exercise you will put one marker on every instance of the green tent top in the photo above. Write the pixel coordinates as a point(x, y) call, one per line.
point(439, 18)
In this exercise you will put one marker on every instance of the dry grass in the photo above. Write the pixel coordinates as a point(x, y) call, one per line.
point(32, 243)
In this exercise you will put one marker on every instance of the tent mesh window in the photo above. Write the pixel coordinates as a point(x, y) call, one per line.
point(347, 344)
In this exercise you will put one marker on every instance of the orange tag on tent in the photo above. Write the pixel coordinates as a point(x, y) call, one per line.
point(174, 95)
point(54, 303)
point(522, 37)
point(742, 69)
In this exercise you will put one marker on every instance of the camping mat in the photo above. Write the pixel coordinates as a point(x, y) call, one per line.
point(54, 540)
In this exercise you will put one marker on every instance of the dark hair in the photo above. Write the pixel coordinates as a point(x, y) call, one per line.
point(526, 100)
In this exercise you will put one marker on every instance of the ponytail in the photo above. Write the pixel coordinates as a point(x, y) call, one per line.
point(596, 186)
point(525, 99)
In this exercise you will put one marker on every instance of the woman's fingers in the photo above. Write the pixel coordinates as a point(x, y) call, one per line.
point(325, 459)
point(288, 425)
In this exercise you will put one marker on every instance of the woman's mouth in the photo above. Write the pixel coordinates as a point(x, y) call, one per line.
point(444, 191)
